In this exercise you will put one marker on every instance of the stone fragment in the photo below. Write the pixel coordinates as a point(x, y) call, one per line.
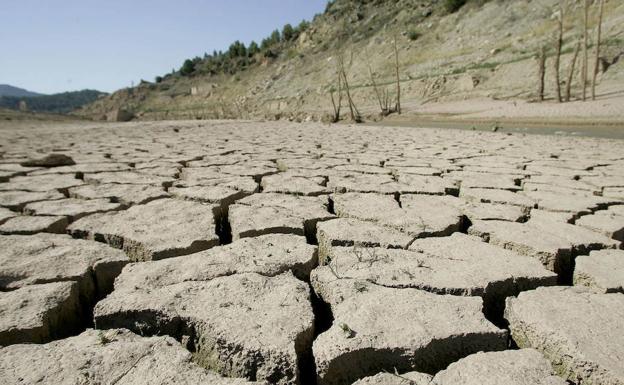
point(292, 184)
point(241, 325)
point(269, 255)
point(80, 169)
point(414, 218)
point(160, 229)
point(377, 328)
point(555, 244)
point(71, 208)
point(601, 270)
point(39, 313)
point(27, 225)
point(575, 329)
point(41, 183)
point(411, 378)
point(511, 367)
point(106, 357)
point(605, 222)
point(457, 265)
point(496, 196)
point(576, 204)
point(41, 258)
point(6, 214)
point(128, 177)
point(268, 213)
point(126, 194)
point(350, 232)
point(49, 160)
point(16, 200)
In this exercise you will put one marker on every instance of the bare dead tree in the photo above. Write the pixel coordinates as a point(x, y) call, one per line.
point(597, 61)
point(337, 104)
point(355, 114)
point(398, 80)
point(541, 59)
point(558, 44)
point(585, 58)
point(380, 94)
point(571, 71)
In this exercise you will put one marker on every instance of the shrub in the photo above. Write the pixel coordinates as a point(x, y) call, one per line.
point(158, 79)
point(453, 5)
point(413, 35)
point(187, 68)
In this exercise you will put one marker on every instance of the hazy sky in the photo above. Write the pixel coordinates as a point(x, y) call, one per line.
point(52, 46)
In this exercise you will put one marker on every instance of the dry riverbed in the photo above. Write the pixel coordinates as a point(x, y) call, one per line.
point(236, 252)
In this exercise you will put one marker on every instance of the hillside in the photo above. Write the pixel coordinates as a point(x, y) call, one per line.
point(60, 103)
point(8, 90)
point(485, 50)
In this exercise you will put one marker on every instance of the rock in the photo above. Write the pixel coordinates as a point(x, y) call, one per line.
point(129, 177)
point(125, 194)
point(602, 271)
point(106, 357)
point(415, 330)
point(268, 213)
point(6, 214)
point(605, 222)
point(160, 229)
point(119, 115)
point(511, 367)
point(27, 225)
point(242, 325)
point(457, 265)
point(414, 218)
point(39, 313)
point(16, 200)
point(411, 378)
point(269, 255)
point(292, 184)
point(576, 204)
point(496, 196)
point(553, 243)
point(576, 330)
point(351, 232)
point(71, 208)
point(49, 160)
point(41, 258)
point(41, 183)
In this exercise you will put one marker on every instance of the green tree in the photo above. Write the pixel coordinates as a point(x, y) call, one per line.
point(453, 5)
point(187, 68)
point(275, 37)
point(253, 48)
point(288, 33)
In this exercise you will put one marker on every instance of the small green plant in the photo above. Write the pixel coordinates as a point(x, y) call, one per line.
point(413, 35)
point(103, 338)
point(349, 333)
point(452, 6)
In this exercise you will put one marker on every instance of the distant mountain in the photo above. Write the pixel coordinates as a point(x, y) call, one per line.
point(7, 90)
point(57, 103)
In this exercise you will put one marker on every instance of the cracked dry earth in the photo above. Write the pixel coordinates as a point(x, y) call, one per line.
point(240, 252)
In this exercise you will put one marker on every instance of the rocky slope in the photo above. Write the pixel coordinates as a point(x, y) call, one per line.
point(486, 49)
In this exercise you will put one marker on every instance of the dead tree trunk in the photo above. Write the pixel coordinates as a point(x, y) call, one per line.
point(597, 61)
point(585, 58)
point(355, 114)
point(558, 45)
point(541, 74)
point(337, 106)
point(571, 71)
point(383, 102)
point(398, 81)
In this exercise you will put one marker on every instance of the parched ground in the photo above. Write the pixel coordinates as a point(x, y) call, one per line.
point(232, 252)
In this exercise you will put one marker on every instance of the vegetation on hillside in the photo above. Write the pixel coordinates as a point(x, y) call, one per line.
point(61, 103)
point(238, 57)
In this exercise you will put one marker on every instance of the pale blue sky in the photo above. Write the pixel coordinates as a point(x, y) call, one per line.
point(52, 46)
